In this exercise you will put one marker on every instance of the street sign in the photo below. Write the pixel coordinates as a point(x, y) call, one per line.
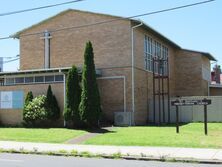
point(190, 102)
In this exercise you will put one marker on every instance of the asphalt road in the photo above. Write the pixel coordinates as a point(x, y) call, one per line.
point(22, 160)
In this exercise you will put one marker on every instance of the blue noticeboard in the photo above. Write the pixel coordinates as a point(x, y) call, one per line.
point(11, 99)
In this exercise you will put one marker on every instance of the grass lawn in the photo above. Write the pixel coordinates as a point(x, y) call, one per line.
point(191, 135)
point(51, 135)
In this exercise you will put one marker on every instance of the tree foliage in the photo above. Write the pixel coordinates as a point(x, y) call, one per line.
point(89, 107)
point(73, 92)
point(29, 97)
point(53, 110)
point(35, 111)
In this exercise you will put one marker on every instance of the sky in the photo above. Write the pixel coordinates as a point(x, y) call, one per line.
point(196, 28)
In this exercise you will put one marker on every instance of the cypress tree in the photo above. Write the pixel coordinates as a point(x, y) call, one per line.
point(52, 106)
point(90, 100)
point(56, 109)
point(73, 93)
point(28, 97)
point(49, 104)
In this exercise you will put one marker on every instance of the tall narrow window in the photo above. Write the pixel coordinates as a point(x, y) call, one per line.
point(157, 54)
point(154, 49)
point(148, 53)
point(165, 57)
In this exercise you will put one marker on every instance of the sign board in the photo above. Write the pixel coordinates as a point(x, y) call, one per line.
point(11, 99)
point(190, 102)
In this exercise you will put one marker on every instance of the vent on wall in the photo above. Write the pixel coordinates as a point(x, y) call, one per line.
point(122, 118)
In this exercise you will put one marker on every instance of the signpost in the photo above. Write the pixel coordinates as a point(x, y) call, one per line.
point(191, 102)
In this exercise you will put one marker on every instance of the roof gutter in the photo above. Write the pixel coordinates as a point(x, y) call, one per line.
point(132, 120)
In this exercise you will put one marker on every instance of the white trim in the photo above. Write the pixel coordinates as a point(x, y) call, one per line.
point(35, 70)
point(133, 78)
point(124, 86)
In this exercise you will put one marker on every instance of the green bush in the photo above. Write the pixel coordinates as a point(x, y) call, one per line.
point(89, 107)
point(35, 111)
point(52, 107)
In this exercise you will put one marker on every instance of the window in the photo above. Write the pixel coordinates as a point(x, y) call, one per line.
point(148, 50)
point(39, 79)
point(9, 81)
point(165, 57)
point(19, 80)
point(29, 79)
point(34, 79)
point(49, 78)
point(154, 49)
point(59, 78)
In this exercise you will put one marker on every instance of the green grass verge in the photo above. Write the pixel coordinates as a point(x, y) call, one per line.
point(51, 135)
point(191, 135)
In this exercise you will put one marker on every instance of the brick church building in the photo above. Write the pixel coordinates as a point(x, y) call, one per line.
point(124, 51)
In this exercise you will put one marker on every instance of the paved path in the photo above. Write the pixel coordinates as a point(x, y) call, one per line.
point(133, 151)
point(22, 160)
point(81, 139)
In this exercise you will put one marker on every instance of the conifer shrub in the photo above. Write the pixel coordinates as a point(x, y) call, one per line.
point(90, 109)
point(73, 92)
point(52, 107)
point(28, 97)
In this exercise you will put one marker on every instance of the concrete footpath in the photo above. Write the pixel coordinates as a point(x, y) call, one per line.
point(128, 152)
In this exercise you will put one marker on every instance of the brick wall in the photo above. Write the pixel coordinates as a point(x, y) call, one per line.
point(111, 42)
point(14, 116)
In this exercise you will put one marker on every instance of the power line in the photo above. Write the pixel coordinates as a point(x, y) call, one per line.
point(9, 57)
point(10, 60)
point(38, 8)
point(118, 19)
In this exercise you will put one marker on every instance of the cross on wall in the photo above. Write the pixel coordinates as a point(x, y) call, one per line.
point(47, 37)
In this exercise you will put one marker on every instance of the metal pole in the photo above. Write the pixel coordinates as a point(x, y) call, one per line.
point(177, 119)
point(154, 93)
point(205, 119)
point(168, 90)
point(163, 103)
point(159, 90)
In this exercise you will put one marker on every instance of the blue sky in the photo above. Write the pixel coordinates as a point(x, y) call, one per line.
point(196, 28)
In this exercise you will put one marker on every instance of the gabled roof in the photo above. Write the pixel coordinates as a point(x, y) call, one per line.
point(17, 34)
point(145, 26)
point(208, 55)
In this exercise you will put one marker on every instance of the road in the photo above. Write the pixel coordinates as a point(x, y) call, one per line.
point(22, 160)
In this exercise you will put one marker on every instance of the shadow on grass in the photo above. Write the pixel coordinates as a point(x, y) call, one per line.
point(101, 130)
point(165, 125)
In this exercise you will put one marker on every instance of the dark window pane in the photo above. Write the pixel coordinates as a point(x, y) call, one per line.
point(49, 78)
point(29, 79)
point(59, 78)
point(19, 80)
point(39, 79)
point(9, 81)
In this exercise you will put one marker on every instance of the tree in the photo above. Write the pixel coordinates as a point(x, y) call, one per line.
point(89, 107)
point(28, 98)
point(35, 111)
point(53, 111)
point(56, 109)
point(73, 93)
